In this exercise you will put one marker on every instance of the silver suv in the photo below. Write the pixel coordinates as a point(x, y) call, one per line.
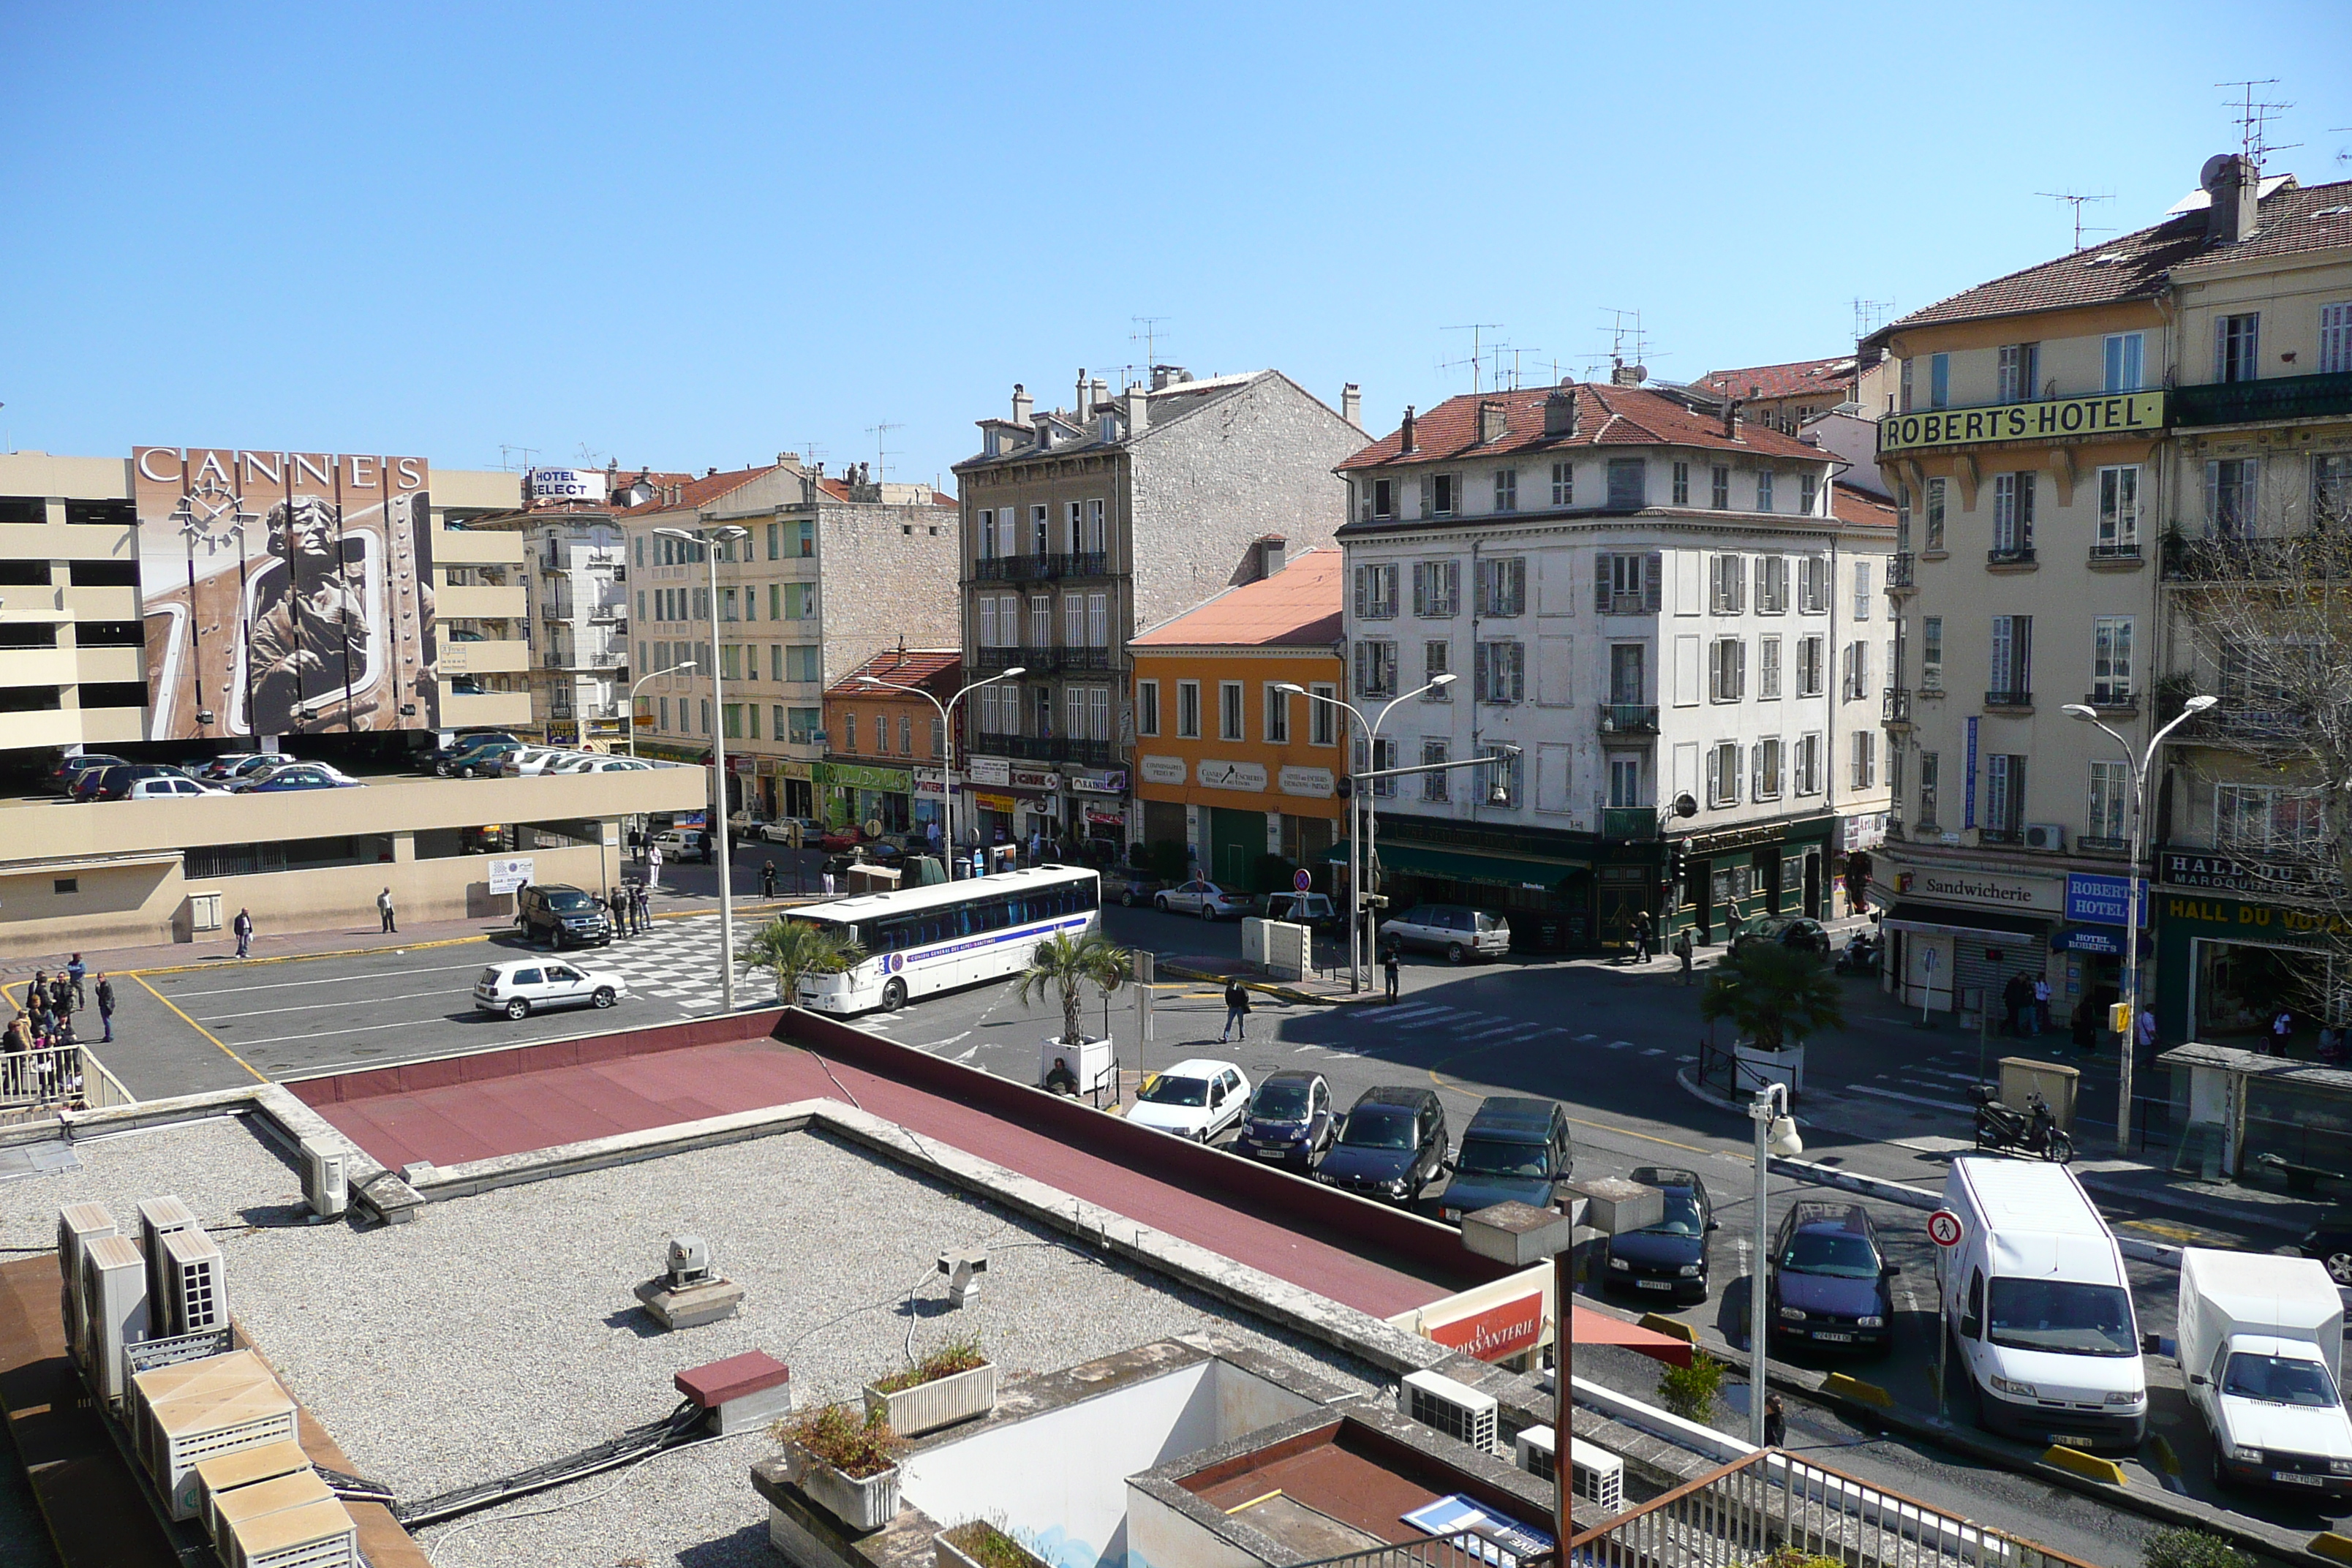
point(1457, 931)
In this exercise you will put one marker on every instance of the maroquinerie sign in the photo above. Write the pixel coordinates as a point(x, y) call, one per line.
point(2055, 418)
point(1988, 890)
point(2189, 868)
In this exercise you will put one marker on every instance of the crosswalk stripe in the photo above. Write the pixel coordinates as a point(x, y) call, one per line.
point(1419, 1009)
point(1655, 1051)
point(1586, 1039)
point(1619, 1045)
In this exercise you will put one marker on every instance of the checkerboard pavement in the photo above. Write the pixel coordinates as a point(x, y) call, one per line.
point(677, 961)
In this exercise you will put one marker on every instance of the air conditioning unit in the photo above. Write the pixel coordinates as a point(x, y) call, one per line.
point(325, 1185)
point(113, 1312)
point(195, 1288)
point(1454, 1408)
point(2046, 835)
point(79, 1225)
point(158, 1218)
point(198, 1410)
point(321, 1535)
point(1598, 1477)
point(233, 1514)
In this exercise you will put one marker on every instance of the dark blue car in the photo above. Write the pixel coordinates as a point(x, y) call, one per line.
point(1828, 1280)
point(1514, 1150)
point(1289, 1121)
point(1392, 1145)
point(1670, 1258)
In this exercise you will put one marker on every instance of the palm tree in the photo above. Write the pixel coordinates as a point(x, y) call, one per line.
point(791, 948)
point(1771, 992)
point(1060, 964)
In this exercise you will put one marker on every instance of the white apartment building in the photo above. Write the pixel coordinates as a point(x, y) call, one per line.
point(1656, 603)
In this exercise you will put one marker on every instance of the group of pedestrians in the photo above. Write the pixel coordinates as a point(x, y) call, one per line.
point(2026, 1001)
point(630, 909)
point(46, 1022)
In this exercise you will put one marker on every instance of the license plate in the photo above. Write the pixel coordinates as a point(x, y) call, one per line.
point(1835, 1339)
point(2297, 1479)
point(1272, 1153)
point(1654, 1284)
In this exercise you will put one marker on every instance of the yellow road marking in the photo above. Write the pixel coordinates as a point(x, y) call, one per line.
point(201, 1029)
point(1438, 1077)
point(2187, 1235)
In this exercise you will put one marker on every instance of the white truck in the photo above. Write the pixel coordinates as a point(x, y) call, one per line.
point(2261, 1341)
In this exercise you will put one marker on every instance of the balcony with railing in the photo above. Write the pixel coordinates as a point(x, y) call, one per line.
point(2102, 844)
point(1895, 710)
point(1902, 572)
point(2258, 402)
point(1085, 564)
point(1046, 749)
point(2116, 553)
point(1629, 719)
point(2239, 558)
point(1015, 568)
point(2015, 697)
point(2011, 556)
point(2118, 699)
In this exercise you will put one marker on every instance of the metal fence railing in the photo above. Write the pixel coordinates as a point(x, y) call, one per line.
point(66, 1078)
point(1757, 1507)
point(1465, 1549)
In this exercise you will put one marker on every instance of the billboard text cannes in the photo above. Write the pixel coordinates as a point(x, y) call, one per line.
point(285, 593)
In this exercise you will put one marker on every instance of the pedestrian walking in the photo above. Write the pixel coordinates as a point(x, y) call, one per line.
point(1682, 952)
point(2144, 1024)
point(2040, 1005)
point(767, 879)
point(643, 901)
point(383, 908)
point(106, 1006)
point(2281, 1028)
point(2012, 1003)
point(1775, 1422)
point(243, 927)
point(828, 878)
point(74, 972)
point(1389, 970)
point(1237, 1012)
point(653, 866)
point(1642, 932)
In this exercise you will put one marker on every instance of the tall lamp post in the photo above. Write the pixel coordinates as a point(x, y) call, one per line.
point(1355, 835)
point(947, 720)
point(1776, 1135)
point(640, 680)
point(2138, 771)
point(708, 539)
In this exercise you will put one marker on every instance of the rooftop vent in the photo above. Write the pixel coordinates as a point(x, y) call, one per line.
point(963, 1270)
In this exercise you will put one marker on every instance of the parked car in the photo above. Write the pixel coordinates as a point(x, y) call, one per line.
point(220, 769)
point(804, 830)
point(873, 852)
point(1392, 1144)
point(522, 986)
point(301, 775)
point(253, 766)
point(2332, 1245)
point(1290, 1119)
point(684, 844)
point(168, 788)
point(1314, 909)
point(1130, 885)
point(62, 776)
point(598, 762)
point(1669, 1258)
point(1828, 1280)
point(443, 761)
point(1514, 1150)
point(2259, 1339)
point(1205, 900)
point(833, 840)
point(530, 761)
point(1457, 931)
point(485, 762)
point(560, 915)
point(95, 784)
point(1196, 1099)
point(1800, 931)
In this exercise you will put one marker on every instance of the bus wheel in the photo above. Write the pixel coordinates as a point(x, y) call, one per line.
point(894, 995)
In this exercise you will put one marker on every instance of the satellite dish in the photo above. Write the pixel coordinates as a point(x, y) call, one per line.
point(1640, 372)
point(2210, 174)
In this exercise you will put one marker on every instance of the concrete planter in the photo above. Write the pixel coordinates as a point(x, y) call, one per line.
point(946, 1554)
point(942, 1402)
point(867, 1504)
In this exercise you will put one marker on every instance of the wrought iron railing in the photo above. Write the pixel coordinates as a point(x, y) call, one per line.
point(2116, 550)
point(1902, 572)
point(2115, 697)
point(2234, 558)
point(1752, 1509)
point(2250, 402)
point(2102, 844)
point(2017, 696)
point(1629, 719)
point(1897, 705)
point(2022, 555)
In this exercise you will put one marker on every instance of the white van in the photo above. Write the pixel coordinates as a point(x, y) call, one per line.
point(2039, 1307)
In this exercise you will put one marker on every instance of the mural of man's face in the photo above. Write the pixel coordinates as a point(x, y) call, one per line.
point(308, 527)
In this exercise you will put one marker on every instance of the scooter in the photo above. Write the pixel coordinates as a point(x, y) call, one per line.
point(1860, 955)
point(2007, 1130)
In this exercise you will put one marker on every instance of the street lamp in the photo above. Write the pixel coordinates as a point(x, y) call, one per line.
point(708, 538)
point(640, 680)
point(1776, 1136)
point(947, 719)
point(2138, 774)
point(1356, 838)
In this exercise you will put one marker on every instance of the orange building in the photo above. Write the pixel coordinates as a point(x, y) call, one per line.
point(1226, 764)
point(887, 751)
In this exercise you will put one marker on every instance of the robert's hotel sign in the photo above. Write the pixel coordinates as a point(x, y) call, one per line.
point(2111, 415)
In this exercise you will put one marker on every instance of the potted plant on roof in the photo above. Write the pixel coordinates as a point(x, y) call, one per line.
point(1064, 967)
point(954, 1383)
point(1774, 996)
point(794, 949)
point(983, 1543)
point(847, 1467)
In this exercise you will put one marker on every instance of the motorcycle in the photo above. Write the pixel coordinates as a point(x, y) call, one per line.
point(1860, 954)
point(2004, 1129)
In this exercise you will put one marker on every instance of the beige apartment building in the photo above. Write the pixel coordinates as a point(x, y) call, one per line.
point(1081, 525)
point(2078, 448)
point(834, 571)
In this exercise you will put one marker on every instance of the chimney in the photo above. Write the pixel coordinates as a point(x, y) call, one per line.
point(1494, 424)
point(1096, 390)
point(1406, 446)
point(1022, 403)
point(1351, 404)
point(1624, 374)
point(2235, 186)
point(1559, 411)
point(1079, 404)
point(1273, 554)
point(1730, 418)
point(1139, 411)
point(1167, 375)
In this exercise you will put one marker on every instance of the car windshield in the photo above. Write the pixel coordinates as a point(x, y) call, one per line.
point(1683, 1217)
point(1166, 1090)
point(569, 900)
point(1280, 1103)
point(1841, 1254)
point(1377, 1127)
point(1501, 1157)
point(2279, 1380)
point(2062, 1315)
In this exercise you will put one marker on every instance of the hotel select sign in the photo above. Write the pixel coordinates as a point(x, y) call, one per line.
point(285, 593)
point(2054, 420)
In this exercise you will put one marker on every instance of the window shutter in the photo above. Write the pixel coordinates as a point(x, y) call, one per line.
point(1714, 775)
point(1421, 587)
point(1601, 584)
point(1478, 677)
point(1756, 772)
point(1363, 583)
point(1361, 684)
point(1654, 572)
point(1739, 668)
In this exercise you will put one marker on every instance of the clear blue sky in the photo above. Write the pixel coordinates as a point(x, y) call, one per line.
point(695, 235)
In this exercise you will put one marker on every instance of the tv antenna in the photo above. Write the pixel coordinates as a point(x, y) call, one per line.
point(507, 453)
point(590, 457)
point(882, 455)
point(2253, 116)
point(1621, 333)
point(1478, 331)
point(1148, 331)
point(1869, 315)
point(2076, 199)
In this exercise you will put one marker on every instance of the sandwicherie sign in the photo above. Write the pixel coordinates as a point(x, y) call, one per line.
point(2055, 418)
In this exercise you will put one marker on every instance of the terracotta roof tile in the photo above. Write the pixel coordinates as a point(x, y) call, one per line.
point(1298, 606)
point(1856, 506)
point(926, 666)
point(1794, 380)
point(1606, 417)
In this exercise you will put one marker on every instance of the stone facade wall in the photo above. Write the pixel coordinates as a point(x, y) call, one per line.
point(886, 572)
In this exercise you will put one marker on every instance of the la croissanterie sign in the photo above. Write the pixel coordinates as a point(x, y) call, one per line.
point(2053, 419)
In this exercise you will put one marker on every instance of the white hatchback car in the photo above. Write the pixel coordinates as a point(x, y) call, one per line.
point(524, 986)
point(165, 789)
point(1197, 1099)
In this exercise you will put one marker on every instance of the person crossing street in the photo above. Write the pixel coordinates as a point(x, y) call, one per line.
point(1237, 1012)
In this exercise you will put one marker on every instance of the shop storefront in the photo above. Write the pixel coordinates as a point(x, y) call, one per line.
point(1956, 936)
point(930, 805)
point(792, 789)
point(1246, 825)
point(861, 794)
point(2230, 959)
point(1099, 806)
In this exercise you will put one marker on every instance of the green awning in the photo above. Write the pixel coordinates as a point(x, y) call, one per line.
point(1471, 865)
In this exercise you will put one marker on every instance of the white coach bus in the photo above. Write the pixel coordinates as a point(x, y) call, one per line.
point(923, 939)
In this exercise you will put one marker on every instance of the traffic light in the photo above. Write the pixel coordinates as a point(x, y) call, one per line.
point(1674, 860)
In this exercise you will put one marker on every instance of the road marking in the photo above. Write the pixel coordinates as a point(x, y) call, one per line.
point(1909, 1098)
point(313, 1006)
point(329, 980)
point(1586, 1039)
point(202, 1030)
point(1619, 1045)
point(1655, 1051)
point(330, 1033)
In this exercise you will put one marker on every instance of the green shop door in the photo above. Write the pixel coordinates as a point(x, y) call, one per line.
point(1236, 840)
